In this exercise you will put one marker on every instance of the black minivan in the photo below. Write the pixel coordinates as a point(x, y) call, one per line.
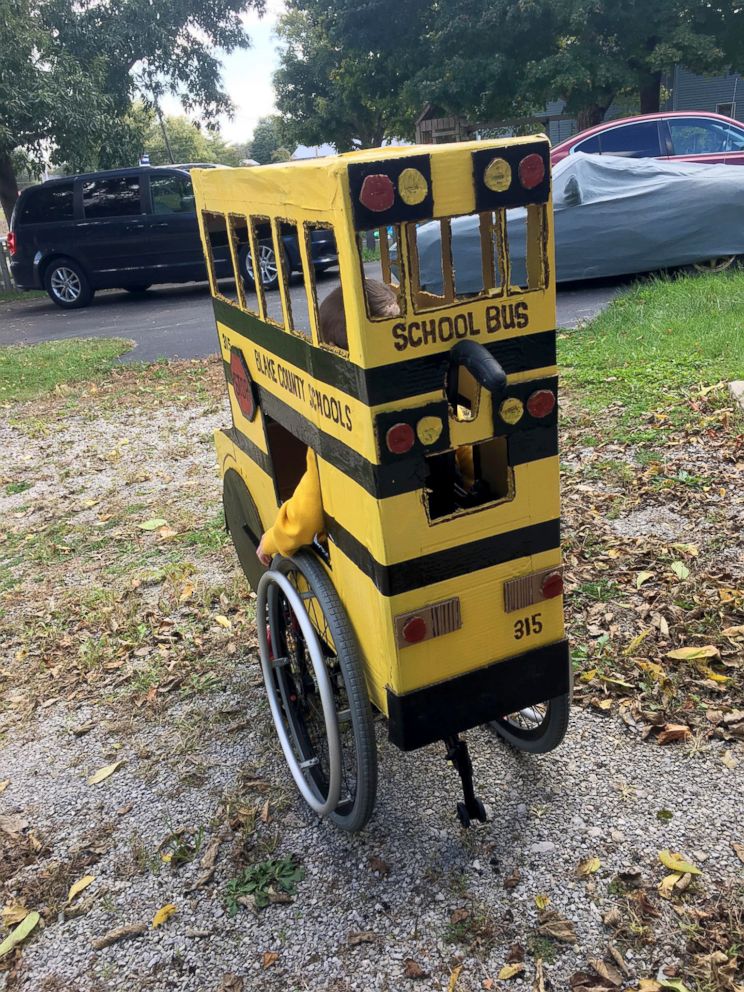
point(127, 228)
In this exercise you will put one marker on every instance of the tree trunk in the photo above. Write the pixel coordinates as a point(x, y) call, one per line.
point(590, 116)
point(650, 92)
point(8, 184)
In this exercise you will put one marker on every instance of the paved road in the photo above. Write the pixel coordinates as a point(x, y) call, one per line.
point(177, 321)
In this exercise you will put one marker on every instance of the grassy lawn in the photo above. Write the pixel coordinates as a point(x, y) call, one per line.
point(8, 295)
point(30, 371)
point(655, 346)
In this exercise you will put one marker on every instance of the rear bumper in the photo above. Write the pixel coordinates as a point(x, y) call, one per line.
point(24, 274)
point(445, 708)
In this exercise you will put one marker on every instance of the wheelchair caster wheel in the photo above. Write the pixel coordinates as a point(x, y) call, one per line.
point(479, 811)
point(462, 815)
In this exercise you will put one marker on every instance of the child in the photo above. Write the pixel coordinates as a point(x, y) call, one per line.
point(300, 517)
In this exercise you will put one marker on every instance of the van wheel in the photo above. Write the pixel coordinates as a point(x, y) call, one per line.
point(67, 284)
point(266, 263)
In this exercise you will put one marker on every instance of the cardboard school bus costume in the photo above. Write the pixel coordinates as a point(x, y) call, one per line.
point(438, 604)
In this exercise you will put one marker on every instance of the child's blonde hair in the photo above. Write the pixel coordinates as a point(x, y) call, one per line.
point(381, 301)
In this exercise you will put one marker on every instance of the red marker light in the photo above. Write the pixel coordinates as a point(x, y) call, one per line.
point(400, 439)
point(541, 403)
point(11, 242)
point(531, 170)
point(242, 385)
point(414, 630)
point(552, 585)
point(377, 193)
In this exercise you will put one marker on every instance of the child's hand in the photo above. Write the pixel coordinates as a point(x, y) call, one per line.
point(261, 554)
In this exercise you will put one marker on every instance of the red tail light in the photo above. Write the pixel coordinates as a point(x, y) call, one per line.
point(400, 438)
point(415, 630)
point(541, 403)
point(12, 243)
point(531, 171)
point(552, 585)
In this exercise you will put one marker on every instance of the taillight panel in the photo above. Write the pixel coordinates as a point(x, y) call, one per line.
point(536, 587)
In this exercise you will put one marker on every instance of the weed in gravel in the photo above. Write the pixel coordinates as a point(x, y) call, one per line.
point(273, 880)
point(181, 847)
point(542, 947)
point(473, 928)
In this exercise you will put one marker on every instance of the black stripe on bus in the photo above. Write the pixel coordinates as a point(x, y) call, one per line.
point(395, 478)
point(415, 573)
point(385, 383)
point(248, 447)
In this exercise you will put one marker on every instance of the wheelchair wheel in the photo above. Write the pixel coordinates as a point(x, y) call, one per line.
point(536, 729)
point(317, 691)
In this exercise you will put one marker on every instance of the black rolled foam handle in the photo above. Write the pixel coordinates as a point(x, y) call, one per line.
point(481, 364)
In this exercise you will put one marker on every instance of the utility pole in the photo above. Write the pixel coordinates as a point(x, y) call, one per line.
point(165, 133)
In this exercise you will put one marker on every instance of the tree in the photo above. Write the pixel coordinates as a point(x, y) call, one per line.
point(342, 80)
point(268, 135)
point(70, 71)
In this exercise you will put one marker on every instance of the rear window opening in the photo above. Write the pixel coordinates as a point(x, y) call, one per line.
point(468, 478)
point(47, 204)
point(288, 457)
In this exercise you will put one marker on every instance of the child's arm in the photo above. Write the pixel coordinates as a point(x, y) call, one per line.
point(299, 519)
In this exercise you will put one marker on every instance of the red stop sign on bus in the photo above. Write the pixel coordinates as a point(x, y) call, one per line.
point(242, 384)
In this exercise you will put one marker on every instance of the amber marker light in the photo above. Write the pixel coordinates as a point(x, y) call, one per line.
point(400, 439)
point(552, 585)
point(541, 403)
point(511, 410)
point(429, 429)
point(531, 170)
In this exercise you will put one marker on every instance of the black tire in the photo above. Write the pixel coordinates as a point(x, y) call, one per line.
point(540, 732)
point(67, 284)
point(297, 686)
point(268, 266)
point(136, 290)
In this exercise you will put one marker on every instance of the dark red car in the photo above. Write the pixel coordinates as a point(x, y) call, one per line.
point(691, 136)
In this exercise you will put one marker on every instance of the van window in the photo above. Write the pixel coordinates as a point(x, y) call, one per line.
point(47, 204)
point(114, 196)
point(171, 195)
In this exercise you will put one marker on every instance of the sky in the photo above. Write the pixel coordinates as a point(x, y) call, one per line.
point(247, 76)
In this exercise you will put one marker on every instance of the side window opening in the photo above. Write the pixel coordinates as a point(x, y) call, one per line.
point(46, 204)
point(240, 244)
point(113, 196)
point(379, 256)
point(171, 194)
point(220, 259)
point(324, 291)
point(298, 309)
point(288, 457)
point(468, 478)
point(259, 234)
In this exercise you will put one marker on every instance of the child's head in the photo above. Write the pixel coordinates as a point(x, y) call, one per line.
point(381, 301)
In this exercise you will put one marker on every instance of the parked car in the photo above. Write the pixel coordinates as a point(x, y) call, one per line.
point(612, 216)
point(692, 137)
point(128, 228)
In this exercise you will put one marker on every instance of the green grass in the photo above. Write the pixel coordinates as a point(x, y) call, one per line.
point(29, 371)
point(7, 295)
point(653, 346)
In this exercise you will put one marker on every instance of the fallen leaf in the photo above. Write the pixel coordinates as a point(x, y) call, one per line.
point(539, 983)
point(163, 914)
point(552, 924)
point(13, 913)
point(510, 971)
point(268, 958)
point(680, 570)
point(487, 984)
point(166, 533)
point(606, 971)
point(13, 825)
point(588, 867)
point(676, 863)
point(643, 577)
point(671, 983)
point(738, 850)
point(459, 916)
point(4, 784)
point(687, 549)
point(732, 632)
point(265, 812)
point(729, 760)
point(513, 880)
point(223, 621)
point(693, 653)
point(153, 524)
point(637, 641)
point(20, 933)
point(613, 917)
point(453, 978)
point(649, 985)
point(120, 933)
point(77, 887)
point(378, 865)
point(186, 593)
point(103, 773)
point(412, 969)
point(365, 937)
point(542, 901)
point(82, 729)
point(231, 983)
point(515, 954)
point(671, 732)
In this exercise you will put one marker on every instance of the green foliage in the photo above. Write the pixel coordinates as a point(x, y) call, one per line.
point(188, 143)
point(70, 71)
point(30, 371)
point(342, 80)
point(268, 138)
point(259, 881)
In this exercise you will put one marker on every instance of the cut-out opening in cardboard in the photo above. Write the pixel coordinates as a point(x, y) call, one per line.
point(288, 456)
point(241, 249)
point(379, 257)
point(468, 478)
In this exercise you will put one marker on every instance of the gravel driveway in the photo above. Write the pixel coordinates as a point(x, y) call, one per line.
point(128, 637)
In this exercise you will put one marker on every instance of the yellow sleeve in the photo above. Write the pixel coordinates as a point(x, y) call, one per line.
point(300, 518)
point(464, 458)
